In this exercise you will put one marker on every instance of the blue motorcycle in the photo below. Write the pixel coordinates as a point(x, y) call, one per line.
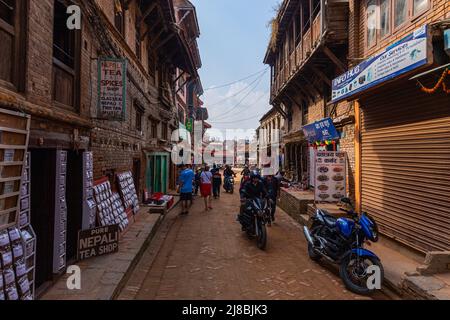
point(341, 241)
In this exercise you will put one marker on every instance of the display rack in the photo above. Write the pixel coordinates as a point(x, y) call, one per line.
point(110, 209)
point(27, 232)
point(14, 135)
point(60, 235)
point(128, 191)
point(89, 206)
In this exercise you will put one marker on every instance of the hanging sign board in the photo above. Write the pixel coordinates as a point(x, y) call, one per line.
point(330, 176)
point(322, 130)
point(112, 89)
point(98, 241)
point(405, 55)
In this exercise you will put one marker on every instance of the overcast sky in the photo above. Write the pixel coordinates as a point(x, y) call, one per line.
point(233, 41)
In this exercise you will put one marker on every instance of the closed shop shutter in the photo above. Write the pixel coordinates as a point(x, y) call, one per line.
point(405, 146)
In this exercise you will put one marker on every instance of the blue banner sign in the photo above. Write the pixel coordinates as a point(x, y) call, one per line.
point(322, 130)
point(405, 55)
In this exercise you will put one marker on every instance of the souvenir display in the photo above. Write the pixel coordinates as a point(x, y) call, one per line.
point(128, 191)
point(89, 207)
point(110, 209)
point(14, 282)
point(59, 246)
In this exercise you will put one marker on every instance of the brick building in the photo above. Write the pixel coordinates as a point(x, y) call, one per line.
point(309, 47)
point(51, 72)
point(378, 69)
point(400, 137)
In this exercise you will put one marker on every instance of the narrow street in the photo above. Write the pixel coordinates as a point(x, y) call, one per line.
point(206, 256)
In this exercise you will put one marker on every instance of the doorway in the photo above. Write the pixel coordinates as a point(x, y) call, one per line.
point(157, 172)
point(43, 181)
point(74, 198)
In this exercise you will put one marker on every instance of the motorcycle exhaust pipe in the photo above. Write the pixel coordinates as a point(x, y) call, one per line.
point(308, 235)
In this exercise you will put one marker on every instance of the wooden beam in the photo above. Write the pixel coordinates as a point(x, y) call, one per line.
point(147, 12)
point(170, 36)
point(310, 86)
point(152, 43)
point(150, 29)
point(307, 95)
point(357, 156)
point(341, 66)
point(321, 75)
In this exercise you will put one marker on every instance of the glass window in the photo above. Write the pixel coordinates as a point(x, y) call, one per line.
point(420, 6)
point(371, 22)
point(400, 12)
point(385, 14)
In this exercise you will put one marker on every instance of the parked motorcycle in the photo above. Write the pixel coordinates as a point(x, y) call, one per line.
point(254, 219)
point(229, 184)
point(341, 241)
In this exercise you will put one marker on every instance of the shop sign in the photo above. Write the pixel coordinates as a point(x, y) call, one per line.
point(112, 89)
point(330, 176)
point(98, 241)
point(403, 56)
point(190, 125)
point(322, 130)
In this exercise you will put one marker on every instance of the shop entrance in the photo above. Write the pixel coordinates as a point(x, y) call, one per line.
point(74, 198)
point(43, 177)
point(157, 172)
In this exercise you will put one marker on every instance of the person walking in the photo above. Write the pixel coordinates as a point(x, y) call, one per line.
point(217, 181)
point(185, 186)
point(206, 187)
point(197, 180)
point(271, 184)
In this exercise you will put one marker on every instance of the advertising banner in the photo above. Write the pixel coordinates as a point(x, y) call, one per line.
point(405, 55)
point(321, 131)
point(112, 89)
point(330, 176)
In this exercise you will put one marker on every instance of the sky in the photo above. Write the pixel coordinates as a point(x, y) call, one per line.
point(233, 42)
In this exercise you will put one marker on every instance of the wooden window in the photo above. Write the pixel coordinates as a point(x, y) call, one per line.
point(66, 49)
point(164, 131)
point(371, 34)
point(138, 42)
point(119, 19)
point(154, 129)
point(12, 29)
point(139, 114)
point(420, 6)
point(152, 68)
point(400, 12)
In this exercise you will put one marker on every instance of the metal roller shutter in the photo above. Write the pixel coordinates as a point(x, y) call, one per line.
point(405, 157)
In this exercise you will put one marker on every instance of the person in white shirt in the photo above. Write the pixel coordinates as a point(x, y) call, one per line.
point(206, 187)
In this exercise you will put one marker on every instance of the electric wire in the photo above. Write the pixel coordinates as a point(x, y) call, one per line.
point(236, 81)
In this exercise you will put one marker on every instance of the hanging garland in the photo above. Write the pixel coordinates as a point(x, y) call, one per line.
point(441, 82)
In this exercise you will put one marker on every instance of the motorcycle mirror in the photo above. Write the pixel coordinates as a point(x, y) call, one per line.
point(346, 201)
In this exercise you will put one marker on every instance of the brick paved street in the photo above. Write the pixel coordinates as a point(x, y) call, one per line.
point(205, 256)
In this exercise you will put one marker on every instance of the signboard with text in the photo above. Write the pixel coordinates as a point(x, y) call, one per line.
point(330, 176)
point(98, 241)
point(405, 55)
point(322, 130)
point(112, 89)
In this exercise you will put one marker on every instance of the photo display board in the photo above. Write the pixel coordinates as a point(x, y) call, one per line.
point(110, 209)
point(128, 191)
point(330, 176)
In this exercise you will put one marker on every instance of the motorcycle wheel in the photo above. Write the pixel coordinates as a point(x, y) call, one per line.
point(262, 237)
point(312, 253)
point(355, 276)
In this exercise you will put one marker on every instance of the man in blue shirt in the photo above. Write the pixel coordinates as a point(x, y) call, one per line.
point(185, 180)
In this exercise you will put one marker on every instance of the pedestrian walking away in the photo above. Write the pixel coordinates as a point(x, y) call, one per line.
point(271, 184)
point(206, 187)
point(185, 188)
point(217, 181)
